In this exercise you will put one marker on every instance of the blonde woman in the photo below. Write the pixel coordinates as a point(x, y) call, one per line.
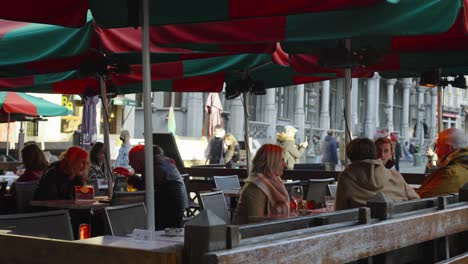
point(231, 152)
point(264, 194)
point(60, 178)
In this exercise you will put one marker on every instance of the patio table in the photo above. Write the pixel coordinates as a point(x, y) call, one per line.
point(70, 204)
point(128, 242)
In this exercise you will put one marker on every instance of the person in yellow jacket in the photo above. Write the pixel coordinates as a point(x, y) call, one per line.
point(452, 173)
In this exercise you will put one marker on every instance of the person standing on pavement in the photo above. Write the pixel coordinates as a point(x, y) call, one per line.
point(292, 153)
point(317, 147)
point(214, 152)
point(122, 158)
point(396, 147)
point(330, 155)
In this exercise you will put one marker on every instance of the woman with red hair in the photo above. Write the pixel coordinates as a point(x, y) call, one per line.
point(62, 176)
point(264, 193)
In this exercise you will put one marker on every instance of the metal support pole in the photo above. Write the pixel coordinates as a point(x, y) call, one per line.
point(347, 85)
point(110, 179)
point(148, 126)
point(245, 96)
point(439, 109)
point(20, 142)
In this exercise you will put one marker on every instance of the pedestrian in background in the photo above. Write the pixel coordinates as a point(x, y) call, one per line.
point(122, 158)
point(330, 155)
point(214, 152)
point(292, 153)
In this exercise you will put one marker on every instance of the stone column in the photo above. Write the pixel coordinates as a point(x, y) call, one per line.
point(389, 107)
point(237, 119)
point(420, 127)
point(299, 116)
point(377, 99)
point(369, 122)
point(270, 114)
point(433, 124)
point(406, 83)
point(354, 106)
point(324, 111)
point(194, 114)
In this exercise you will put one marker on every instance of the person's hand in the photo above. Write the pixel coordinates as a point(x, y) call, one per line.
point(304, 144)
point(430, 152)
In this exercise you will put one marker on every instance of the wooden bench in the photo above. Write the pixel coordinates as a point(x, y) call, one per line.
point(427, 230)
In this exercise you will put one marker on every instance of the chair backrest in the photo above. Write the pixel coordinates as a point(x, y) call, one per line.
point(332, 190)
point(216, 203)
point(3, 187)
point(123, 219)
point(228, 182)
point(50, 224)
point(309, 166)
point(290, 184)
point(24, 194)
point(119, 198)
point(318, 189)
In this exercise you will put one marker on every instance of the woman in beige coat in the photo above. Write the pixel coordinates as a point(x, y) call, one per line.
point(264, 194)
point(366, 176)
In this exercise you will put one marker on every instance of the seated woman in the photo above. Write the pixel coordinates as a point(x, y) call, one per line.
point(231, 152)
point(97, 158)
point(34, 161)
point(263, 194)
point(366, 176)
point(60, 178)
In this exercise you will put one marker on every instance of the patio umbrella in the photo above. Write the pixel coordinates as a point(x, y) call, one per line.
point(72, 13)
point(213, 111)
point(88, 122)
point(18, 106)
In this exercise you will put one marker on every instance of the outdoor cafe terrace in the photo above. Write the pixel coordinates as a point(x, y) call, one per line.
point(313, 235)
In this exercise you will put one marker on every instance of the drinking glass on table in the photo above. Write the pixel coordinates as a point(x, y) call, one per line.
point(297, 194)
point(330, 203)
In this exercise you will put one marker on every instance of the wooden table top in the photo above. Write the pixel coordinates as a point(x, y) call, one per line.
point(69, 204)
point(128, 242)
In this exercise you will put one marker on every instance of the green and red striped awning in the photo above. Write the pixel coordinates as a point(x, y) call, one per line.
point(124, 13)
point(17, 106)
point(409, 17)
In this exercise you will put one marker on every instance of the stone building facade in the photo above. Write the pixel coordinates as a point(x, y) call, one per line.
point(399, 105)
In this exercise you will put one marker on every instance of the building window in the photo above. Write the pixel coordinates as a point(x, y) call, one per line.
point(168, 99)
point(70, 123)
point(32, 129)
point(283, 100)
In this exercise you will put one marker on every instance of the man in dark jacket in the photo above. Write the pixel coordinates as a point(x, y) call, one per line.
point(330, 154)
point(214, 153)
point(170, 194)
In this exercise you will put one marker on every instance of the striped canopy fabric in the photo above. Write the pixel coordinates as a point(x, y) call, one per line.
point(69, 59)
point(409, 17)
point(124, 13)
point(17, 106)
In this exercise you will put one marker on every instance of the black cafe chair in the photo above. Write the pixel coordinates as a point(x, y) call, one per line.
point(24, 194)
point(215, 202)
point(121, 220)
point(50, 224)
point(228, 182)
point(317, 189)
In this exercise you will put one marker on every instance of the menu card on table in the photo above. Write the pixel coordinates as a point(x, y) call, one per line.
point(84, 193)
